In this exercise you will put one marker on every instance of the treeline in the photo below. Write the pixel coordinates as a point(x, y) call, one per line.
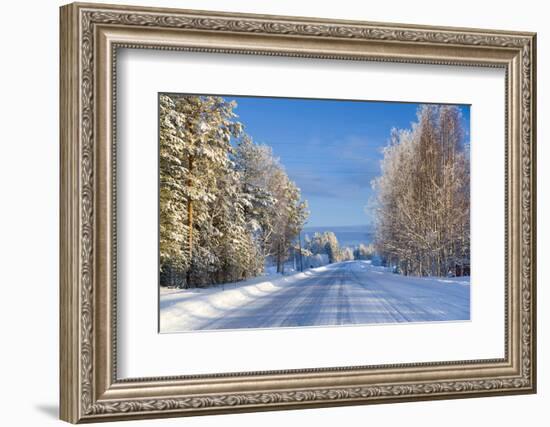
point(327, 244)
point(423, 196)
point(224, 208)
point(364, 252)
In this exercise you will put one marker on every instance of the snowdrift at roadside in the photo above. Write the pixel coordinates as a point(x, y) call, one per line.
point(186, 309)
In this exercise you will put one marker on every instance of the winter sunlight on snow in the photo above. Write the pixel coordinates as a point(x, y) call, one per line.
point(281, 212)
point(346, 293)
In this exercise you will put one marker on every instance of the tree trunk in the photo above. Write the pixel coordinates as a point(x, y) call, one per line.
point(190, 223)
point(278, 258)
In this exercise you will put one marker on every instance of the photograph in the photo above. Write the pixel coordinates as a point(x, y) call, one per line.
point(279, 209)
point(289, 212)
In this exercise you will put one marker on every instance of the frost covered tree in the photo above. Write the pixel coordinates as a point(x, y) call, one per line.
point(258, 166)
point(275, 210)
point(290, 215)
point(223, 209)
point(326, 243)
point(346, 254)
point(423, 196)
point(195, 135)
point(364, 252)
point(173, 232)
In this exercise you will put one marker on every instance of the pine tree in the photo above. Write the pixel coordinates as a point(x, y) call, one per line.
point(173, 199)
point(195, 140)
point(290, 216)
point(223, 210)
point(275, 210)
point(258, 167)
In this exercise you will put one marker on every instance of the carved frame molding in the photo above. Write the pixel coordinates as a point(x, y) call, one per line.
point(90, 37)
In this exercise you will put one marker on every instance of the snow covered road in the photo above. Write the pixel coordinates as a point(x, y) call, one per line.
point(353, 292)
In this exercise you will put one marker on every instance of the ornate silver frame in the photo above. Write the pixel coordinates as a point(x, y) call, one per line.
point(90, 36)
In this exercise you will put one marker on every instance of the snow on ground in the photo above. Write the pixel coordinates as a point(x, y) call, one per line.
point(185, 309)
point(353, 292)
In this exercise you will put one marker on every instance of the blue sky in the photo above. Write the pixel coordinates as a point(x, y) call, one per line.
point(330, 149)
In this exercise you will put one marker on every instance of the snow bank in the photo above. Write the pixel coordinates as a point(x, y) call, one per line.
point(186, 309)
point(345, 293)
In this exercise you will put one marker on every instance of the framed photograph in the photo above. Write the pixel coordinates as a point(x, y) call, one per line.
point(266, 212)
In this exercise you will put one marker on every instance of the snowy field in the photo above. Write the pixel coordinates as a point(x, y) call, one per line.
point(346, 293)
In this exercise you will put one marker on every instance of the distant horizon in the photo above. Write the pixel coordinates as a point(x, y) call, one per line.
point(306, 227)
point(348, 235)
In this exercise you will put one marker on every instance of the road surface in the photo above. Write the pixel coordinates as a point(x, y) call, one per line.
point(345, 293)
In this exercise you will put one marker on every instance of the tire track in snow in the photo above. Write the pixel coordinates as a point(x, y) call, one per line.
point(346, 293)
point(415, 311)
point(311, 306)
point(343, 311)
point(272, 310)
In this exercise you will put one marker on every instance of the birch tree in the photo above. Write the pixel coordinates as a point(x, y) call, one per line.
point(327, 243)
point(423, 196)
point(290, 215)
